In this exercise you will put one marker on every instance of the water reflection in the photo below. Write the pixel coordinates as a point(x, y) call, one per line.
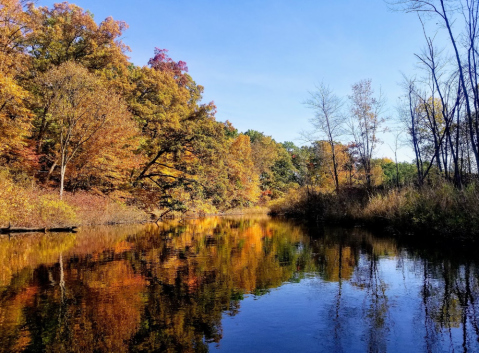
point(181, 286)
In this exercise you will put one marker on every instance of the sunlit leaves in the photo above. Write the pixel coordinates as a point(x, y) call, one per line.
point(84, 117)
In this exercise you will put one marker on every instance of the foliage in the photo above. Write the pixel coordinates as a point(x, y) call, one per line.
point(406, 172)
point(243, 188)
point(66, 32)
point(272, 163)
point(183, 146)
point(82, 116)
point(14, 113)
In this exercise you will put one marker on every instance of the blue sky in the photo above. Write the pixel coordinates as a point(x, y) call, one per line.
point(258, 59)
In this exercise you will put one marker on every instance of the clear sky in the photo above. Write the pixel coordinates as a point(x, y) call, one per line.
point(258, 59)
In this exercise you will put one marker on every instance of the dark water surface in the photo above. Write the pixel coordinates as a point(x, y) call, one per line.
point(246, 284)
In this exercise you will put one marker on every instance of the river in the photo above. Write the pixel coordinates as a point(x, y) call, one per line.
point(238, 284)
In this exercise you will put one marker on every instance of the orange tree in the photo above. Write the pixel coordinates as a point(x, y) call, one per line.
point(85, 117)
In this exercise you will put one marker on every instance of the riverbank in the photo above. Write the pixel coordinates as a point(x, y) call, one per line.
point(431, 211)
point(24, 204)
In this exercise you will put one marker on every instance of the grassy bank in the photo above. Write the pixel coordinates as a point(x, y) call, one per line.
point(24, 204)
point(439, 210)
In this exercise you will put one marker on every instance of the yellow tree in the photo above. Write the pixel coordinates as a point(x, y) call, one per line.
point(243, 178)
point(14, 116)
point(264, 150)
point(272, 163)
point(66, 32)
point(332, 166)
point(83, 111)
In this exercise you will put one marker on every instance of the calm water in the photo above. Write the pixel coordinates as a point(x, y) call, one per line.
point(233, 285)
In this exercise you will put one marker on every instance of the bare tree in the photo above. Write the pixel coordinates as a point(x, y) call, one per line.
point(410, 117)
point(366, 122)
point(328, 120)
point(394, 149)
point(466, 61)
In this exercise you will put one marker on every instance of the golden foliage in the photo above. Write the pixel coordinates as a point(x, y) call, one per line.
point(66, 32)
point(244, 181)
point(14, 114)
point(88, 124)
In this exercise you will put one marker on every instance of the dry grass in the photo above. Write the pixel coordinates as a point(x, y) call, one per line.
point(439, 209)
point(23, 204)
point(321, 204)
point(97, 209)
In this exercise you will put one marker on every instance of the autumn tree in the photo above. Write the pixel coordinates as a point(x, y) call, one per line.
point(163, 63)
point(264, 150)
point(14, 113)
point(328, 121)
point(331, 168)
point(66, 32)
point(82, 111)
point(243, 188)
point(454, 80)
point(365, 122)
point(272, 163)
point(183, 145)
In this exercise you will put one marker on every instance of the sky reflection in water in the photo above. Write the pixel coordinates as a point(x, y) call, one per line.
point(233, 284)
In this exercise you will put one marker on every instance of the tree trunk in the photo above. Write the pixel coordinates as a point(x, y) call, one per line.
point(463, 84)
point(335, 167)
point(62, 179)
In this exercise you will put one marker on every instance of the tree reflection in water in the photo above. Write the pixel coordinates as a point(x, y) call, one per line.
point(169, 287)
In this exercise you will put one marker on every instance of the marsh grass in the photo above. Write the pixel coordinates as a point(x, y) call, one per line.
point(440, 209)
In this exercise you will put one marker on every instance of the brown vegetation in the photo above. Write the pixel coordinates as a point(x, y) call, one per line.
point(24, 204)
point(432, 210)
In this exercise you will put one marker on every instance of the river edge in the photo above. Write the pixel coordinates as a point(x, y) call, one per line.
point(414, 235)
point(378, 225)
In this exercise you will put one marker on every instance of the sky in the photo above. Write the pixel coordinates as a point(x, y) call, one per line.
point(259, 59)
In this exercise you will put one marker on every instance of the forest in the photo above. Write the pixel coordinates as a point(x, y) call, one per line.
point(88, 137)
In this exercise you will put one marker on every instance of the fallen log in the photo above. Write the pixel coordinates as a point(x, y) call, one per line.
point(63, 229)
point(41, 230)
